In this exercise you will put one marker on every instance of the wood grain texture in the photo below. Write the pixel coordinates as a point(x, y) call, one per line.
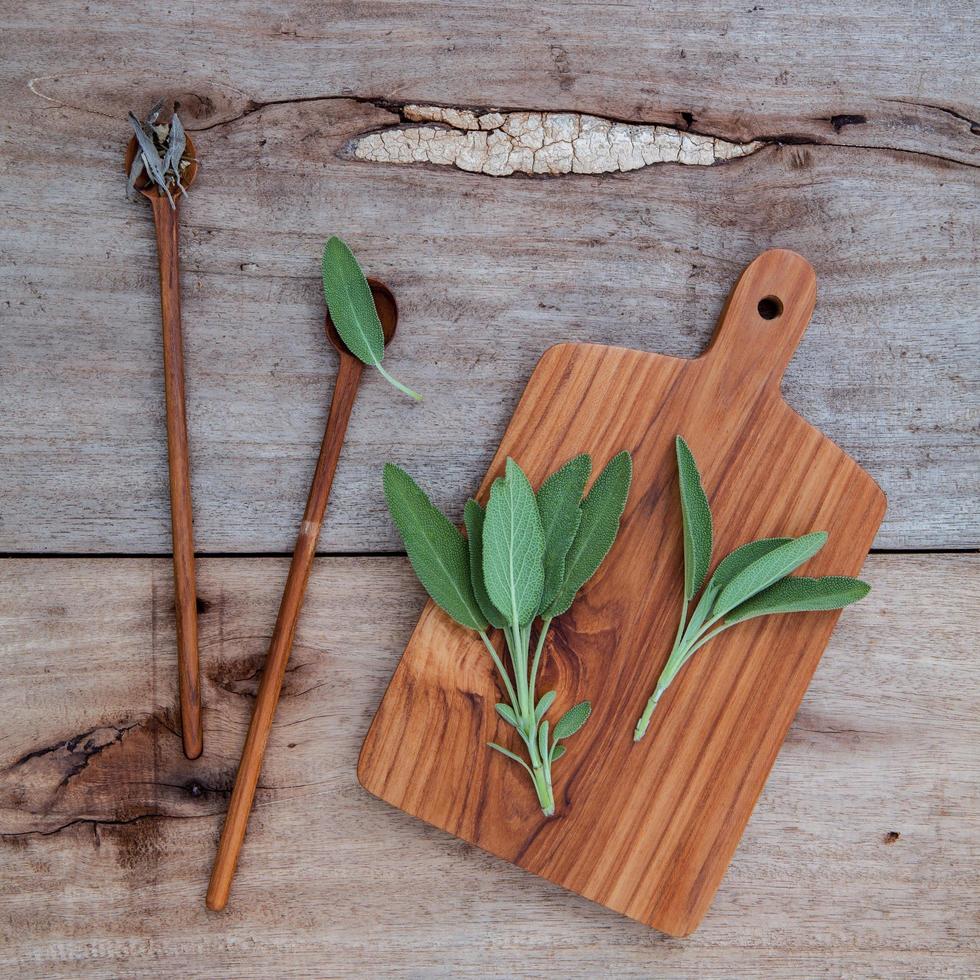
point(489, 272)
point(647, 829)
point(165, 220)
point(860, 859)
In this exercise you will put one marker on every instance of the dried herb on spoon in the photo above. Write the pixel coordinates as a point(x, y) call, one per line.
point(523, 558)
point(162, 153)
point(754, 580)
point(352, 309)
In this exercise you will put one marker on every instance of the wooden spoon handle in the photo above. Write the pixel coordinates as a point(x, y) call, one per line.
point(181, 516)
point(240, 805)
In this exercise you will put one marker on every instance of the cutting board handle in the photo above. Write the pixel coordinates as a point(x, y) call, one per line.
point(766, 314)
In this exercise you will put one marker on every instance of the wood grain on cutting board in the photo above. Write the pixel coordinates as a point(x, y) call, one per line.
point(645, 828)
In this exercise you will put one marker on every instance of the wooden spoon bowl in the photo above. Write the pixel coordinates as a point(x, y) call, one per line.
point(146, 187)
point(387, 309)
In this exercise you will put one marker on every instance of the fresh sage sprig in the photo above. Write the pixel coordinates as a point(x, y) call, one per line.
point(523, 558)
point(752, 581)
point(161, 153)
point(352, 309)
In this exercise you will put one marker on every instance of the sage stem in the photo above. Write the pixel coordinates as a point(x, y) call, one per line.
point(542, 636)
point(500, 669)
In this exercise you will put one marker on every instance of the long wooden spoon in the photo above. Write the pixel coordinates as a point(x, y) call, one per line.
point(165, 219)
point(240, 805)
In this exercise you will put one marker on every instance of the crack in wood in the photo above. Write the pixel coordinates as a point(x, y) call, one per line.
point(87, 745)
point(399, 108)
point(503, 143)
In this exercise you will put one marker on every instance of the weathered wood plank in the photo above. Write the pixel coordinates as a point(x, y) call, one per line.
point(488, 271)
point(860, 858)
point(882, 73)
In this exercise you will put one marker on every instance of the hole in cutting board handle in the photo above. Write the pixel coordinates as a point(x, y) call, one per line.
point(762, 321)
point(770, 307)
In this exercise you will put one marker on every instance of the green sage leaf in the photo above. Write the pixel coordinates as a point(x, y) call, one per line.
point(513, 547)
point(507, 713)
point(573, 719)
point(558, 499)
point(696, 516)
point(765, 570)
point(741, 558)
point(557, 751)
point(801, 595)
point(597, 530)
point(473, 518)
point(510, 755)
point(435, 547)
point(543, 740)
point(352, 309)
point(547, 700)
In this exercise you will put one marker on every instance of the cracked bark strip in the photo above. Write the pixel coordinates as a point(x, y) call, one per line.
point(503, 143)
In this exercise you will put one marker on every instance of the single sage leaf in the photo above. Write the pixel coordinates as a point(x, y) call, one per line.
point(559, 498)
point(543, 740)
point(135, 170)
point(510, 755)
point(154, 114)
point(435, 547)
point(513, 547)
point(768, 568)
point(352, 308)
point(696, 516)
point(597, 530)
point(507, 713)
point(473, 518)
point(176, 144)
point(557, 751)
point(741, 558)
point(573, 719)
point(801, 595)
point(547, 700)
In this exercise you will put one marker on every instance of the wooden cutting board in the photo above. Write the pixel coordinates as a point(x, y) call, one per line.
point(645, 828)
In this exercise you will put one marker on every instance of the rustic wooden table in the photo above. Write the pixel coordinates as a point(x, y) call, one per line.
point(842, 130)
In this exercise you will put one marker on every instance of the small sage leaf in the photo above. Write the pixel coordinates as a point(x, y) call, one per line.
point(435, 547)
point(801, 595)
point(134, 175)
point(547, 700)
point(768, 568)
point(176, 144)
point(573, 719)
point(513, 547)
point(510, 755)
point(597, 530)
point(558, 499)
point(154, 114)
point(557, 751)
point(507, 713)
point(543, 739)
point(473, 518)
point(696, 516)
point(352, 309)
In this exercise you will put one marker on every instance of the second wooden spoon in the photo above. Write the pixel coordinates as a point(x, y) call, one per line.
point(243, 795)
